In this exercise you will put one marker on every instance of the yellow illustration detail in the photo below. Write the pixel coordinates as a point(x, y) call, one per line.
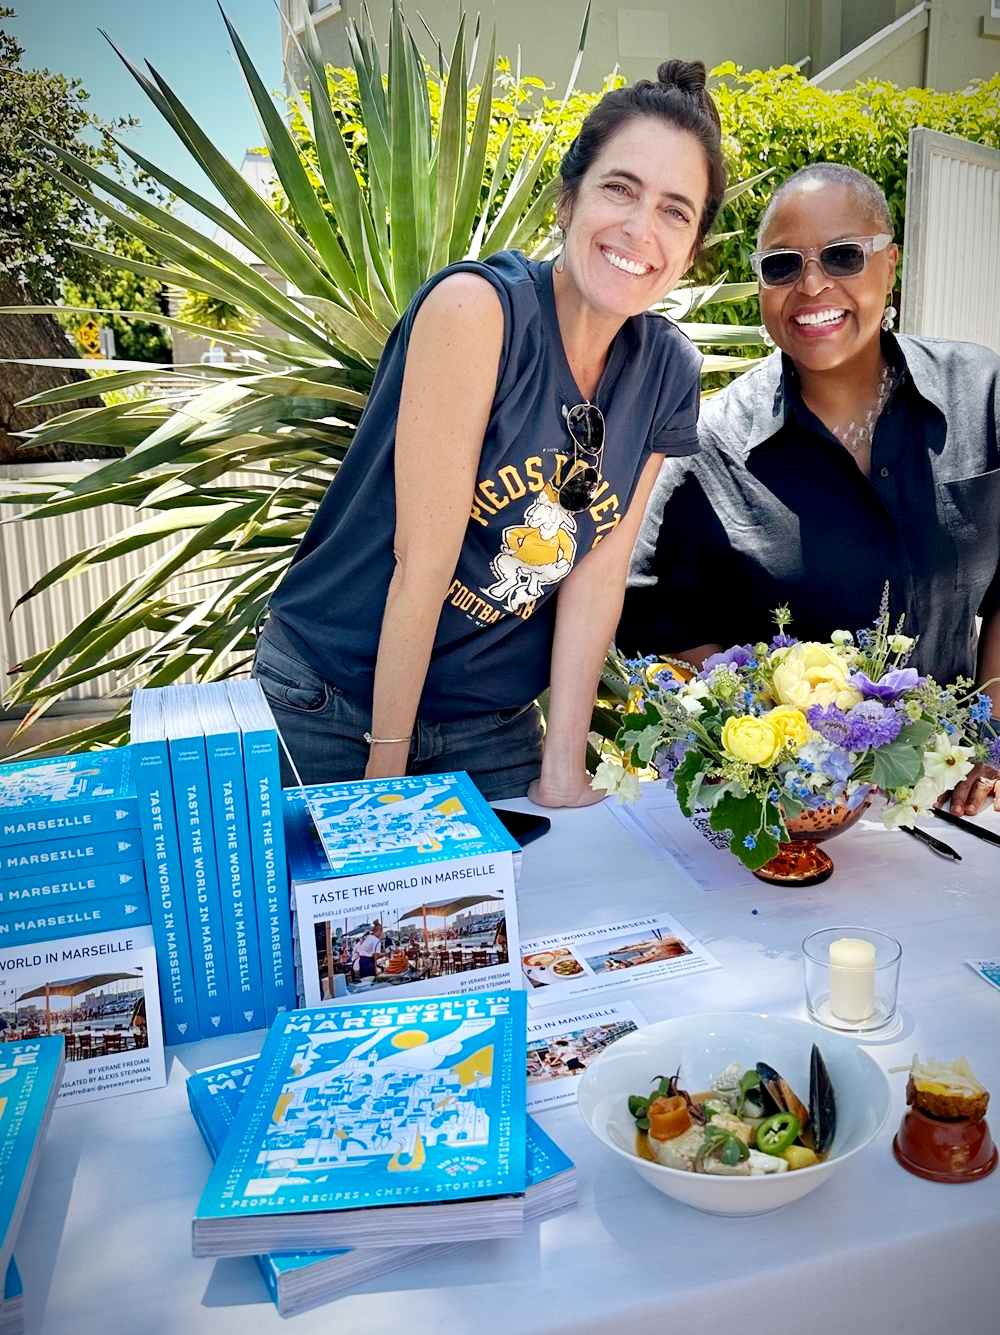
point(409, 1038)
point(281, 1107)
point(3, 1106)
point(409, 1163)
point(390, 797)
point(538, 552)
point(451, 806)
point(478, 1066)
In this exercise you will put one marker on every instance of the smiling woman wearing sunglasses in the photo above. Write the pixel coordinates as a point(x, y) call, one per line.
point(848, 458)
point(472, 549)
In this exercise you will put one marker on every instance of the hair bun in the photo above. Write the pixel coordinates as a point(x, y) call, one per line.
point(686, 75)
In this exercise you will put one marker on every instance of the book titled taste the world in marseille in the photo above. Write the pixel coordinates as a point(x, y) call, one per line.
point(376, 1125)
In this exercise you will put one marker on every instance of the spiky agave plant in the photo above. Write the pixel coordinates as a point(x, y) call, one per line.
point(230, 477)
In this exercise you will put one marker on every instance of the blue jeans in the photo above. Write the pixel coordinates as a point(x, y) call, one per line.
point(324, 730)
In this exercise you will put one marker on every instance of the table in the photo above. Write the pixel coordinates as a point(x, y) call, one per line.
point(105, 1245)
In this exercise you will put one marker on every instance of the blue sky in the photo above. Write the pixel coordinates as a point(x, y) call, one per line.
point(185, 40)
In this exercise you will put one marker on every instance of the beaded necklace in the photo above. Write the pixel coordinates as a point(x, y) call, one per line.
point(856, 435)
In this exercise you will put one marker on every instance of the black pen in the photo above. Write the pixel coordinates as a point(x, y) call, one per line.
point(938, 846)
point(970, 827)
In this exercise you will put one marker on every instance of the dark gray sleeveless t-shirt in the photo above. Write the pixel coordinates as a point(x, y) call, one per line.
point(494, 637)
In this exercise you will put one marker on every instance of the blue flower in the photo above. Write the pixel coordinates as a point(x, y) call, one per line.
point(749, 842)
point(981, 710)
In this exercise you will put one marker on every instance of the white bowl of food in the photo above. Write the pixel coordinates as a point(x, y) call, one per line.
point(699, 1048)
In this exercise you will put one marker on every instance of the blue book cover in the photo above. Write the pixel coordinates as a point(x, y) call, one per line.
point(375, 1125)
point(376, 825)
point(158, 824)
point(196, 841)
point(303, 849)
point(47, 890)
point(228, 792)
point(267, 843)
point(55, 797)
point(78, 918)
point(67, 857)
point(215, 1095)
point(30, 1074)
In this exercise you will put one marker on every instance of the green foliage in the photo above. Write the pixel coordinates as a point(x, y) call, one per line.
point(111, 290)
point(778, 120)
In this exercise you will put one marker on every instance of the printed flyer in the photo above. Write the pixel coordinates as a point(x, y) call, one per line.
point(641, 950)
point(988, 970)
point(563, 1044)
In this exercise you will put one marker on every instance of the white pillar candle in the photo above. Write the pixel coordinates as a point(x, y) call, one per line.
point(852, 979)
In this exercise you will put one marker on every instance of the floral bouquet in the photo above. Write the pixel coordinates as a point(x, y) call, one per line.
point(767, 732)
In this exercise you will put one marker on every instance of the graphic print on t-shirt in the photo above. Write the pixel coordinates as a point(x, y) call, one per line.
point(538, 552)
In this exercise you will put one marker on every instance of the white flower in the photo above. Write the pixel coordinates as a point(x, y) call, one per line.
point(614, 779)
point(691, 705)
point(895, 814)
point(695, 689)
point(901, 644)
point(946, 764)
point(841, 637)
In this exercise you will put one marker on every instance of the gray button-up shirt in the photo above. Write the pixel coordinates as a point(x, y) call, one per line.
point(773, 510)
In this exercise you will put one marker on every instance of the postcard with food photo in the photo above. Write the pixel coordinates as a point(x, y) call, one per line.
point(643, 950)
point(563, 1043)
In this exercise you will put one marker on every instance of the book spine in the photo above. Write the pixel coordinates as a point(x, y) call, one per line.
point(232, 842)
point(82, 818)
point(270, 870)
point(97, 883)
point(87, 918)
point(65, 857)
point(158, 825)
point(189, 775)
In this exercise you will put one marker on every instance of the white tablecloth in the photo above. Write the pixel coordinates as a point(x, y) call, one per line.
point(105, 1246)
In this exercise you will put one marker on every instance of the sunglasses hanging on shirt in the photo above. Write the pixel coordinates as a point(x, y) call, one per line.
point(585, 423)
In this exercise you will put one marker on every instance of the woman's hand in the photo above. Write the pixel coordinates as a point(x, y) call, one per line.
point(980, 786)
point(575, 792)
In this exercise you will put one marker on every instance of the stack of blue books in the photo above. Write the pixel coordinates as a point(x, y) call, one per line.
point(30, 1075)
point(76, 948)
point(297, 1283)
point(207, 775)
point(376, 1124)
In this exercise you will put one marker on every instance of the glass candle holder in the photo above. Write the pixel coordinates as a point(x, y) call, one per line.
point(852, 978)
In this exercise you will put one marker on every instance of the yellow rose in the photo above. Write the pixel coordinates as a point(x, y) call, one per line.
point(752, 739)
point(813, 674)
point(792, 725)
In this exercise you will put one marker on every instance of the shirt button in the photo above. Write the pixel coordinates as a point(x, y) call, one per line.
point(883, 472)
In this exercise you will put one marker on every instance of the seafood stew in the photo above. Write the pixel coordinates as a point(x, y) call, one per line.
point(749, 1123)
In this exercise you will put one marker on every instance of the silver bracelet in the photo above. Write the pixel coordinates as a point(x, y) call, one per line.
point(383, 741)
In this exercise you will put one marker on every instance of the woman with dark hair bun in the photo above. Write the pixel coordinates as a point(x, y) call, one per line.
point(848, 459)
point(471, 551)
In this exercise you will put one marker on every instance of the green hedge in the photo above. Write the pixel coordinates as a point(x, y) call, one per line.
point(776, 118)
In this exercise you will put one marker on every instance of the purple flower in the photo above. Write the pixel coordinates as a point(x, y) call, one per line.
point(994, 755)
point(830, 722)
point(871, 724)
point(782, 641)
point(891, 686)
point(738, 656)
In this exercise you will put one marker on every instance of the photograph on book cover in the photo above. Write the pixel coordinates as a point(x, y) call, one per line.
point(414, 941)
point(642, 950)
point(109, 1019)
point(563, 1044)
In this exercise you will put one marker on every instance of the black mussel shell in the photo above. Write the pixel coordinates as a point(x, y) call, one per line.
point(777, 1096)
point(822, 1103)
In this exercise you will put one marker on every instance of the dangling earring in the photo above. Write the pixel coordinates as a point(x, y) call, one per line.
point(560, 262)
point(889, 317)
point(765, 337)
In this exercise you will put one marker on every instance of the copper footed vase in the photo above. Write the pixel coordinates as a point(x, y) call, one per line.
point(799, 860)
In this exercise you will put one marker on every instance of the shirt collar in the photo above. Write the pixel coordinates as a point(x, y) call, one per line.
point(776, 388)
